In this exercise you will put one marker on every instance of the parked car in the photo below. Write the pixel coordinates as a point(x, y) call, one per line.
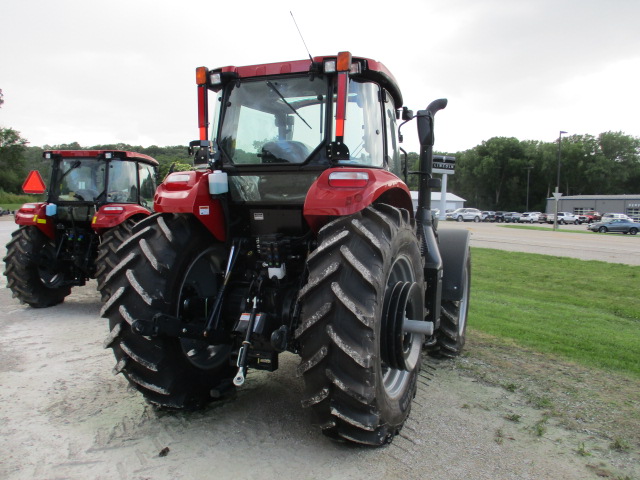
point(611, 216)
point(590, 217)
point(530, 217)
point(564, 218)
point(465, 214)
point(512, 217)
point(488, 216)
point(542, 218)
point(615, 225)
point(500, 216)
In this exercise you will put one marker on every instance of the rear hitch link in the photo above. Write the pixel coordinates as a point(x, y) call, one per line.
point(213, 321)
point(243, 354)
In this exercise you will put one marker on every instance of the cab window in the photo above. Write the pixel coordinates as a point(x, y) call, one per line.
point(363, 133)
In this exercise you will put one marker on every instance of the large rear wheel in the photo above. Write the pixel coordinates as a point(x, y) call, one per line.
point(168, 262)
point(359, 365)
point(108, 257)
point(30, 269)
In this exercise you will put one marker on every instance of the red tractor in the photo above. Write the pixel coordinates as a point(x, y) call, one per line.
point(95, 197)
point(294, 233)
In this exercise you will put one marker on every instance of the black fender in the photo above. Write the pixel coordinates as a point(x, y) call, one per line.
point(454, 250)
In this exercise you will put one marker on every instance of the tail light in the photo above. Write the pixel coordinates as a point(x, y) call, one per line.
point(348, 179)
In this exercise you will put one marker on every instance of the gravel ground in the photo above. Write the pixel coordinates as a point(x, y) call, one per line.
point(64, 415)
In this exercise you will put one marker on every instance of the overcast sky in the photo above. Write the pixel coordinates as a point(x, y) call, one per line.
point(123, 70)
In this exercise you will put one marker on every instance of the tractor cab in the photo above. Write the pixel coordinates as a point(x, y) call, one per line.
point(282, 131)
point(84, 181)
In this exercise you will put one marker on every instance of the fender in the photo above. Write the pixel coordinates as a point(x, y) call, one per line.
point(454, 249)
point(188, 192)
point(34, 214)
point(327, 198)
point(113, 214)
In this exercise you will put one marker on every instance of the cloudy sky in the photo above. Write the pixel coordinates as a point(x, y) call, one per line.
point(123, 70)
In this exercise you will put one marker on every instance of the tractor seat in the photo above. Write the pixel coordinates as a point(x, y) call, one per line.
point(284, 151)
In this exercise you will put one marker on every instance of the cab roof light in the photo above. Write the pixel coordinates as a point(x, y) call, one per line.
point(201, 75)
point(348, 179)
point(331, 67)
point(215, 78)
point(343, 63)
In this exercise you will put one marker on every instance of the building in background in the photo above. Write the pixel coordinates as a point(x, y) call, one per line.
point(452, 201)
point(583, 204)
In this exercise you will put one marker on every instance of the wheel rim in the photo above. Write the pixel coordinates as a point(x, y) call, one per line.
point(198, 289)
point(400, 351)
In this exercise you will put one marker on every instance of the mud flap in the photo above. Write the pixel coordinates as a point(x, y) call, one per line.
point(454, 249)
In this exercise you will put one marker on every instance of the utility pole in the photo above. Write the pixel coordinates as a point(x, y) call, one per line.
point(557, 193)
point(528, 169)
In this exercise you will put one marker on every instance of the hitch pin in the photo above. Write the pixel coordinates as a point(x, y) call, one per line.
point(246, 344)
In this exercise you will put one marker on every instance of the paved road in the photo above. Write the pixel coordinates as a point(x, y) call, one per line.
point(611, 247)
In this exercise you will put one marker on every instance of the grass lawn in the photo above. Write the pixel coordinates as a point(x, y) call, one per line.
point(585, 311)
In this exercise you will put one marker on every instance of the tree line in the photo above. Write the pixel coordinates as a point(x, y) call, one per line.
point(495, 175)
point(498, 173)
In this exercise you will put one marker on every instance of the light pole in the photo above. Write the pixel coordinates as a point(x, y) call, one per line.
point(557, 193)
point(528, 169)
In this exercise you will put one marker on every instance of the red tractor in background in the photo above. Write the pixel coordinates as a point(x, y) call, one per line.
point(95, 197)
point(294, 233)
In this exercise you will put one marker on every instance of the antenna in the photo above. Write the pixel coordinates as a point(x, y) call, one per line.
point(301, 37)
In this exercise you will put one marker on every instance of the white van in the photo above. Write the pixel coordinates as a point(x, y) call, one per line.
point(611, 216)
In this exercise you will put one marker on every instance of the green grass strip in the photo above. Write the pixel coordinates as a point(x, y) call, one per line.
point(585, 311)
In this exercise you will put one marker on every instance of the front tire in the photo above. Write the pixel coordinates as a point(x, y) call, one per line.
point(633, 231)
point(360, 368)
point(30, 269)
point(603, 230)
point(170, 259)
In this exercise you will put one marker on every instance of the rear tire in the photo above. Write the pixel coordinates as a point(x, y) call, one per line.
point(108, 257)
point(29, 269)
point(360, 369)
point(169, 260)
point(633, 231)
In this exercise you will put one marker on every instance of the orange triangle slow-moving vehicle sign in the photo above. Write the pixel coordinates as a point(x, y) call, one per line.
point(34, 183)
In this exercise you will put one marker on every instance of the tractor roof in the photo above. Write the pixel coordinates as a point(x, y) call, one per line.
point(369, 70)
point(102, 154)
